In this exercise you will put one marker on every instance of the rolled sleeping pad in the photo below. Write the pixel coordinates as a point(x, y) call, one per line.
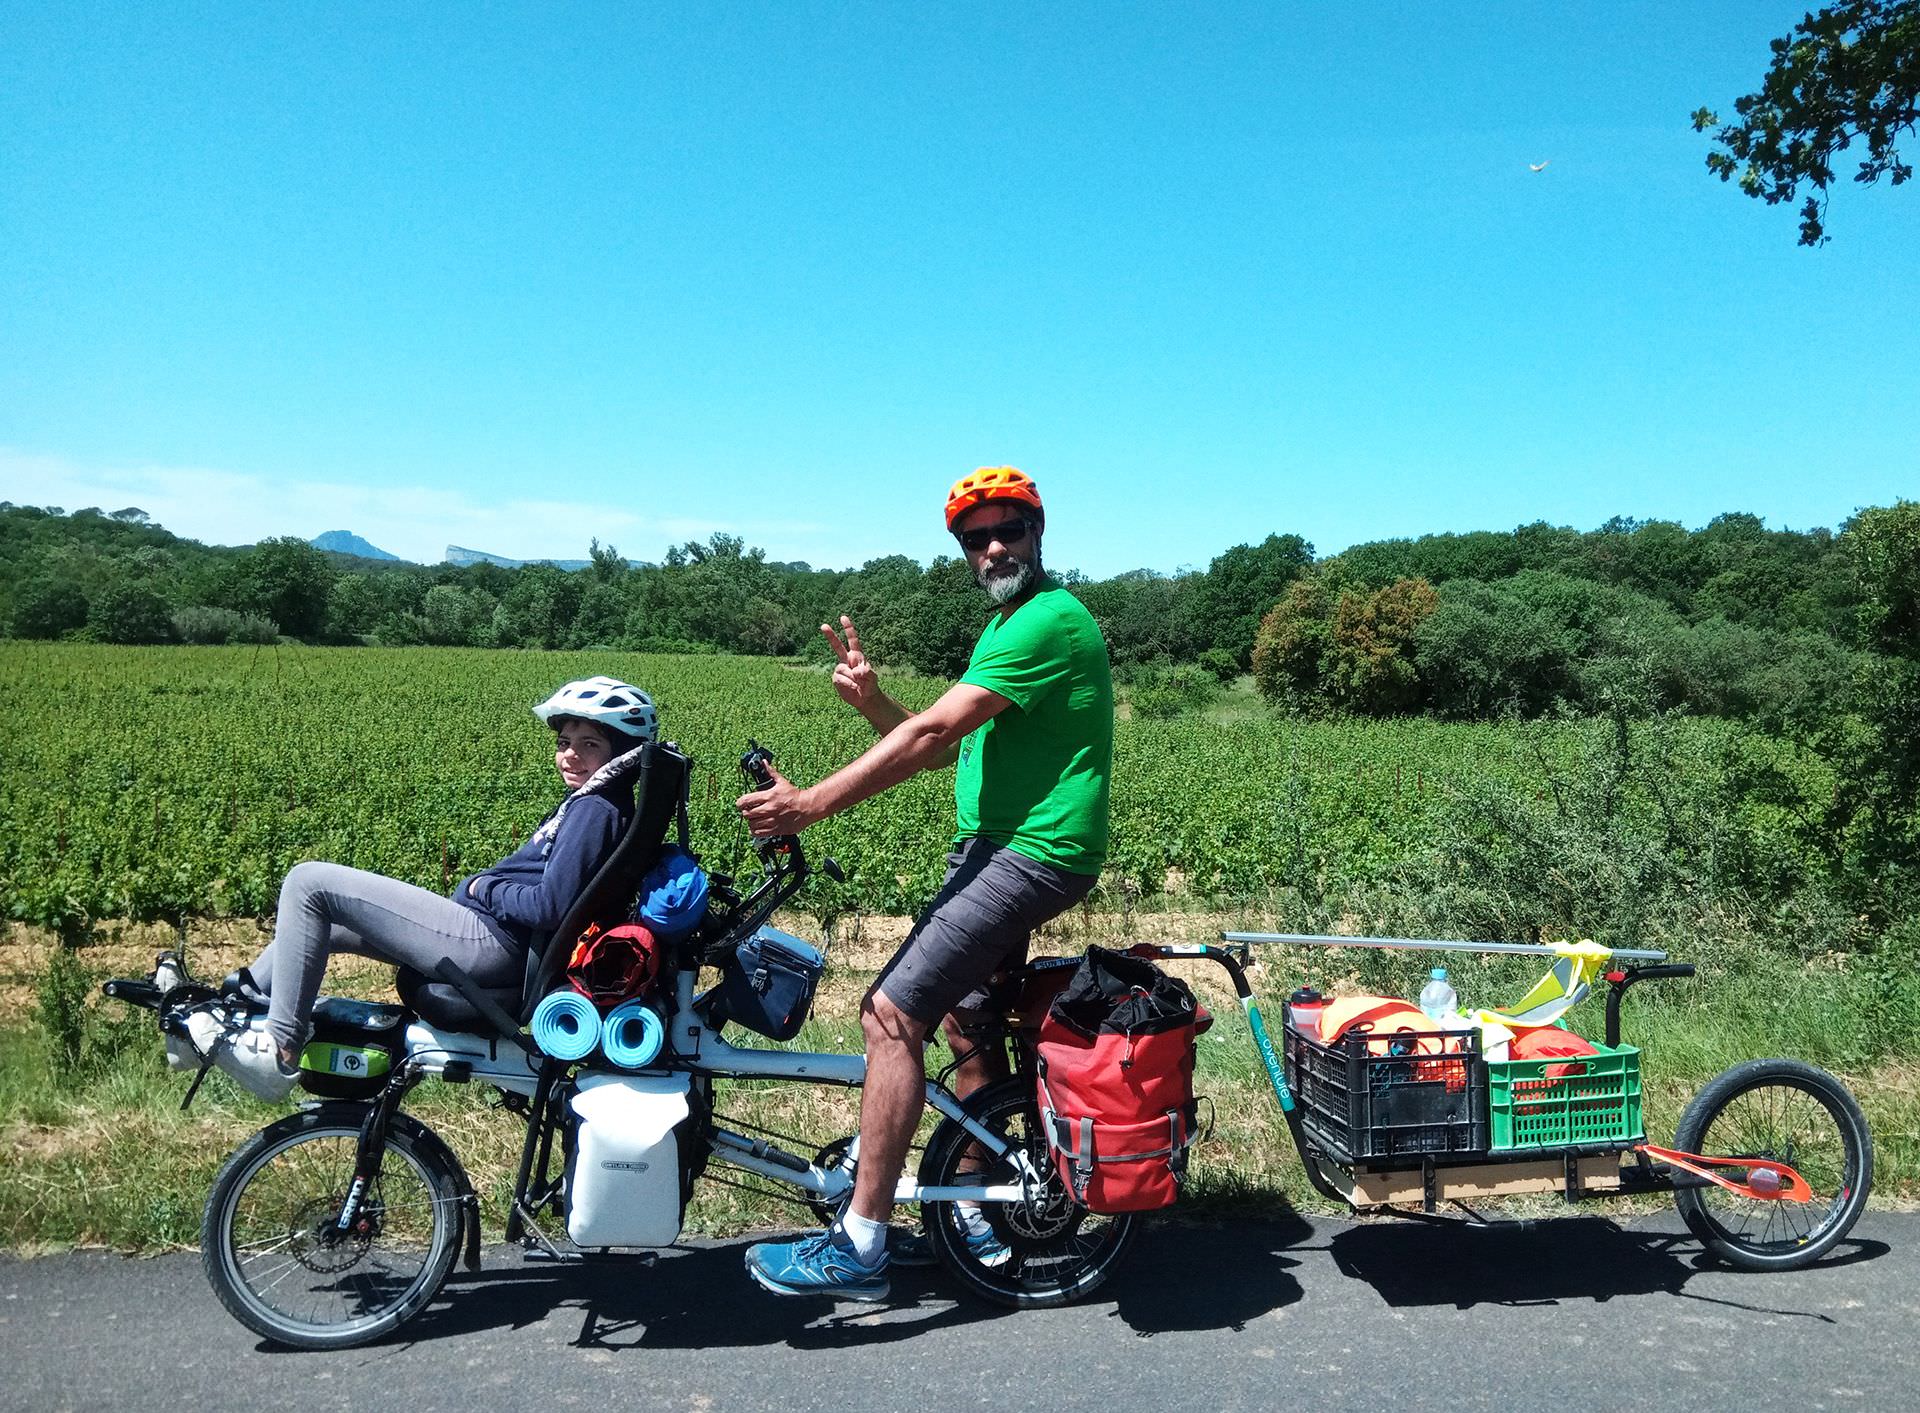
point(566, 1025)
point(632, 1035)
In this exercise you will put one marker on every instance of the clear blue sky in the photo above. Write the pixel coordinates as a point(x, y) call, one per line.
point(514, 275)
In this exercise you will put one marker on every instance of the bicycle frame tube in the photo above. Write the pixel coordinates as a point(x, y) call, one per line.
point(699, 1049)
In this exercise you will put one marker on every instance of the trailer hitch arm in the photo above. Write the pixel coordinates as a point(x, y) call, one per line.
point(1766, 1180)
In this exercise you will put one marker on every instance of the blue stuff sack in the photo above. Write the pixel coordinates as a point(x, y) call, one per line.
point(673, 895)
point(768, 986)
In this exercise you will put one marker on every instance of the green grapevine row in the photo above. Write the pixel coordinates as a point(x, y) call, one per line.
point(153, 783)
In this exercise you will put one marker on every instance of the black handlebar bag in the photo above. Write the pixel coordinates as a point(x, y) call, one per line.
point(1115, 1085)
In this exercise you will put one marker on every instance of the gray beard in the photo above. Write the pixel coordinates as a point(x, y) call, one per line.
point(1004, 588)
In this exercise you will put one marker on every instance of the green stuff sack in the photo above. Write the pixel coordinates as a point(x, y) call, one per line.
point(353, 1048)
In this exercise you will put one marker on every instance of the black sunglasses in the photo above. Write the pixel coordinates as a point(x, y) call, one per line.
point(1008, 532)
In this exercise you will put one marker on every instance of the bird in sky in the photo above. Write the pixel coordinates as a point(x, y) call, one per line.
point(1538, 166)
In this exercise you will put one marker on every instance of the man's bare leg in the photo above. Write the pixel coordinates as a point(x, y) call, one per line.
point(890, 1102)
point(980, 1062)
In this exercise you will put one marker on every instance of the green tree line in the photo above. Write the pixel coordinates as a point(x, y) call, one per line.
point(1732, 620)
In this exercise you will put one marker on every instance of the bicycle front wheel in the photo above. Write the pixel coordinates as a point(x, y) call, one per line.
point(1043, 1252)
point(273, 1248)
point(1781, 1111)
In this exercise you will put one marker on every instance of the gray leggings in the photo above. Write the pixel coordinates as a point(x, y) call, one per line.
point(327, 908)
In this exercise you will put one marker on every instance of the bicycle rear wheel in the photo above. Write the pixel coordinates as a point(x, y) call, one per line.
point(272, 1248)
point(1047, 1251)
point(1789, 1112)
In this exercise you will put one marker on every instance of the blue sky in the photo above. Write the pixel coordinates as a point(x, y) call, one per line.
point(513, 276)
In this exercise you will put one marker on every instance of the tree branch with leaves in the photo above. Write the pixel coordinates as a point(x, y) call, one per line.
point(1850, 73)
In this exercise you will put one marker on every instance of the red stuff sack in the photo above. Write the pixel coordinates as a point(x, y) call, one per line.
point(1115, 1083)
point(609, 967)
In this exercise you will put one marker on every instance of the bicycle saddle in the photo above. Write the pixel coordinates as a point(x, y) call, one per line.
point(440, 1005)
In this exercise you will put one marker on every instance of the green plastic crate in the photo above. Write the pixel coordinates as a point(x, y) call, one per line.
point(1530, 1109)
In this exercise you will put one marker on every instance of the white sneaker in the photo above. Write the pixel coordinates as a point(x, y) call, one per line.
point(205, 1032)
point(168, 972)
point(252, 1058)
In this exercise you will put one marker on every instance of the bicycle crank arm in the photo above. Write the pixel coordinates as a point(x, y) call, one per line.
point(1767, 1181)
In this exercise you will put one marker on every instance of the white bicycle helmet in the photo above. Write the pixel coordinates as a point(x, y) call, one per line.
point(606, 701)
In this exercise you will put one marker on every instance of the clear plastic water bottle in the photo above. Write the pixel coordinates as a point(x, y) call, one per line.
point(1437, 998)
point(1303, 1011)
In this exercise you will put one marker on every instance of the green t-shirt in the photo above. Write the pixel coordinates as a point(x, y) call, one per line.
point(1034, 778)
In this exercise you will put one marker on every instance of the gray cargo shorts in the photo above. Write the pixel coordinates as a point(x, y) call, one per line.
point(978, 923)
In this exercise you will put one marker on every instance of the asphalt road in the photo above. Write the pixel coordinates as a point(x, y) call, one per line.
point(1573, 1314)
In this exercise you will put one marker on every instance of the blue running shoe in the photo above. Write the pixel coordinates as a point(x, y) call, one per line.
point(817, 1265)
point(911, 1248)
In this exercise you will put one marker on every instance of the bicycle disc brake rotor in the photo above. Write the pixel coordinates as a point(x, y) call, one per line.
point(1041, 1219)
point(317, 1241)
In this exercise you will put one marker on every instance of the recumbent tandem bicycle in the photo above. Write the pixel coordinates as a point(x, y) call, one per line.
point(339, 1223)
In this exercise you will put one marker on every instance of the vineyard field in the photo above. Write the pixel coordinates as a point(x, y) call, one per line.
point(154, 785)
point(150, 783)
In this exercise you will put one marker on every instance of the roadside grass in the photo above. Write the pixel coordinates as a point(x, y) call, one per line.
point(101, 1155)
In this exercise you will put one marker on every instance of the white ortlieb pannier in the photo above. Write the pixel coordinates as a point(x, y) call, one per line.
point(623, 1184)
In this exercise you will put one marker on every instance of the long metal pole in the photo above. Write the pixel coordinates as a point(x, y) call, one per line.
point(1426, 944)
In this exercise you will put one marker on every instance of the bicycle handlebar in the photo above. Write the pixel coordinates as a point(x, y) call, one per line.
point(1626, 977)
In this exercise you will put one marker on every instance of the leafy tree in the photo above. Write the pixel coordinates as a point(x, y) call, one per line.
point(47, 608)
point(1227, 602)
point(602, 616)
point(455, 616)
point(354, 606)
point(538, 611)
point(1291, 641)
point(1368, 665)
point(1849, 73)
point(1885, 548)
point(287, 580)
point(605, 566)
point(938, 624)
point(1880, 790)
point(1490, 647)
point(130, 612)
point(1145, 617)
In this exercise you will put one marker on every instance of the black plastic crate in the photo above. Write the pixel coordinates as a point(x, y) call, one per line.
point(1360, 1105)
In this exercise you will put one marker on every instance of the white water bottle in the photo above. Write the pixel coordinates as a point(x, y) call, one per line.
point(1437, 998)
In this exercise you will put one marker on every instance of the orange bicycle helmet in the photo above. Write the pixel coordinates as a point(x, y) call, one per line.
point(993, 483)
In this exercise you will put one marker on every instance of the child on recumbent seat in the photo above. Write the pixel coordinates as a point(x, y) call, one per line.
point(486, 927)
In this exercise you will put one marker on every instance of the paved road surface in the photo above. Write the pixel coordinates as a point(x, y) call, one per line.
point(1570, 1315)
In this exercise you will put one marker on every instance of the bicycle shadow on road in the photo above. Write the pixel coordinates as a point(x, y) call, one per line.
point(1178, 1277)
point(1549, 1262)
point(697, 1297)
point(1182, 1276)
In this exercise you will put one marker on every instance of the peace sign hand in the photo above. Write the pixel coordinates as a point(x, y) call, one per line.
point(853, 676)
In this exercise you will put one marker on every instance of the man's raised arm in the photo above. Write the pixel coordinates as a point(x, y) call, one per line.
point(920, 741)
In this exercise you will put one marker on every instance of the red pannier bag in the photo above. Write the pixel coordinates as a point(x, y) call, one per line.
point(1115, 1082)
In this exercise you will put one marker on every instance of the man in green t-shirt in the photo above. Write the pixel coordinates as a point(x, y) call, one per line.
point(1030, 723)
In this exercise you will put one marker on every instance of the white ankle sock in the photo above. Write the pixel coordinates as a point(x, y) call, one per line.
point(868, 1237)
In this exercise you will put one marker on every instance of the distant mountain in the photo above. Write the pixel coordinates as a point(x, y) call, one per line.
point(346, 542)
point(463, 557)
